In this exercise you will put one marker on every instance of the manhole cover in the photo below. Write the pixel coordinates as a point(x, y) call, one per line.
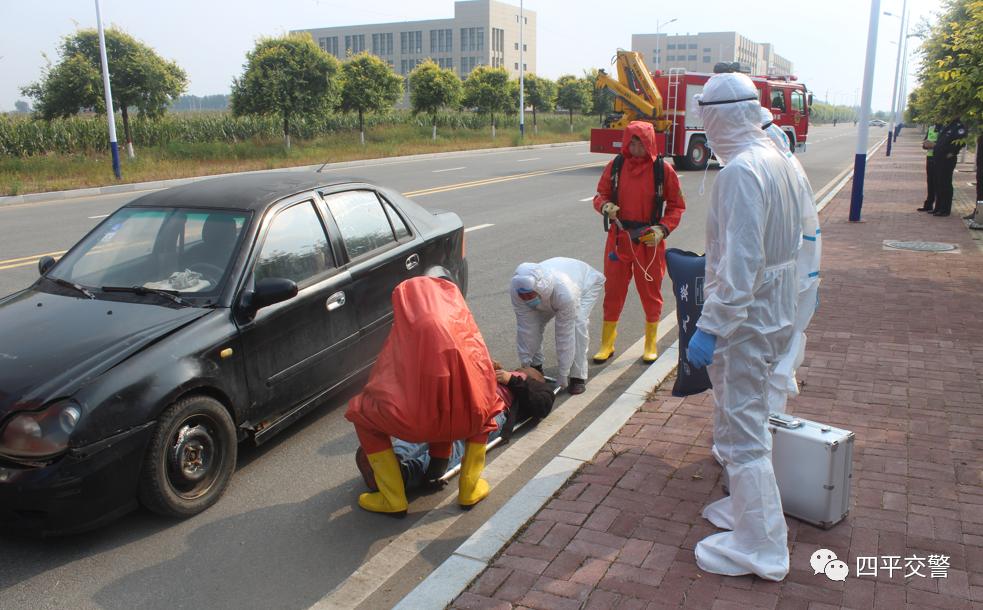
point(920, 246)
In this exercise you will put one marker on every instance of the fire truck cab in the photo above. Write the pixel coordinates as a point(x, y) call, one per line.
point(666, 100)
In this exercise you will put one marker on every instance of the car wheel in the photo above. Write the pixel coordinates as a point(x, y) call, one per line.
point(190, 459)
point(698, 155)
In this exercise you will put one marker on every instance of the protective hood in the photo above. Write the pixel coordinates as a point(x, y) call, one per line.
point(774, 132)
point(646, 133)
point(731, 115)
point(434, 380)
point(532, 276)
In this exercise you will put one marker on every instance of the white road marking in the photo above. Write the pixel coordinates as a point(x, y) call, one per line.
point(478, 227)
point(529, 159)
point(99, 216)
point(585, 153)
point(449, 169)
point(591, 198)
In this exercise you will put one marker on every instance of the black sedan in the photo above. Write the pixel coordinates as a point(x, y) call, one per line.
point(190, 320)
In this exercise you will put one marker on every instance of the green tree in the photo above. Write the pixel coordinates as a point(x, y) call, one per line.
point(487, 91)
point(140, 79)
point(286, 77)
point(368, 85)
point(573, 94)
point(433, 88)
point(540, 96)
point(22, 106)
point(602, 100)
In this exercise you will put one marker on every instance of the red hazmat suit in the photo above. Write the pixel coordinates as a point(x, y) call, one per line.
point(636, 196)
point(434, 381)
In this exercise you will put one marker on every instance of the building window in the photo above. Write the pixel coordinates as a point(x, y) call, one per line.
point(516, 65)
point(472, 39)
point(706, 59)
point(329, 44)
point(525, 68)
point(516, 46)
point(411, 43)
point(671, 58)
point(354, 44)
point(440, 41)
point(692, 45)
point(498, 40)
point(691, 58)
point(670, 46)
point(525, 48)
point(382, 44)
point(481, 39)
point(706, 50)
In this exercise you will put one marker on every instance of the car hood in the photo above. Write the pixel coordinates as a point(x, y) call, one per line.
point(52, 345)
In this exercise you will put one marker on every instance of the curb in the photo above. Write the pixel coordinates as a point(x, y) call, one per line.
point(453, 576)
point(159, 184)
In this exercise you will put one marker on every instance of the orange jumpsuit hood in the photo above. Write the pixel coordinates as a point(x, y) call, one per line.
point(434, 380)
point(646, 133)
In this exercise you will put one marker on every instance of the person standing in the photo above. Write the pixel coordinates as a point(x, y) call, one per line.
point(754, 232)
point(928, 144)
point(641, 196)
point(945, 152)
point(561, 288)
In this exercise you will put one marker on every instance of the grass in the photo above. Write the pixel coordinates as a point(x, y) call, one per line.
point(54, 171)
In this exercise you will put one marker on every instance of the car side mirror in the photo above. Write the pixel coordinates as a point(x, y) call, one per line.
point(268, 291)
point(810, 101)
point(45, 263)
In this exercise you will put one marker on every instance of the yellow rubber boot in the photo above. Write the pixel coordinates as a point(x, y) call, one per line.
point(471, 487)
point(391, 497)
point(651, 342)
point(609, 332)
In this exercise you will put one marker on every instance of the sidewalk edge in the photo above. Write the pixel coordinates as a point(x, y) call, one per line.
point(131, 187)
point(453, 576)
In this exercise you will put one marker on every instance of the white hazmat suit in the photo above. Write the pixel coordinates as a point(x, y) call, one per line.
point(754, 230)
point(568, 289)
point(782, 382)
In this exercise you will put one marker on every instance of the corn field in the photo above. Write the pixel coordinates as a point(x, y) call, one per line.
point(25, 137)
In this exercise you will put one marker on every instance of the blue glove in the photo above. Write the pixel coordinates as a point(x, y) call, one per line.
point(700, 351)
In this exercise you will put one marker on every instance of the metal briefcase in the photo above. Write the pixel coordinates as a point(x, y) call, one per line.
point(813, 466)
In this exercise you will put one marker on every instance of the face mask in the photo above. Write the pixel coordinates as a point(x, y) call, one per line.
point(534, 302)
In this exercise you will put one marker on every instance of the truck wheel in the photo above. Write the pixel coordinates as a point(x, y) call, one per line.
point(190, 459)
point(698, 155)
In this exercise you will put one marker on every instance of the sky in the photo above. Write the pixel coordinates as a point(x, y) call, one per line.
point(825, 40)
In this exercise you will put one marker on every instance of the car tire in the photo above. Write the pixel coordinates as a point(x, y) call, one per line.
point(191, 458)
point(698, 155)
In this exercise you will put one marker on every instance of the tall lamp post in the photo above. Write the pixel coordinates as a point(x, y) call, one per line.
point(522, 78)
point(860, 160)
point(658, 41)
point(113, 144)
point(897, 73)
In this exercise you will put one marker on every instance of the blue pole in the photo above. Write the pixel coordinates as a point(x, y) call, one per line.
point(110, 117)
point(860, 161)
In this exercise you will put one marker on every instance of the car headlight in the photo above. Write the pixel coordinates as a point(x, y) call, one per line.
point(40, 434)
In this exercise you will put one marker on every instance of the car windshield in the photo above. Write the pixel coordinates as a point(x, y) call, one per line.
point(179, 250)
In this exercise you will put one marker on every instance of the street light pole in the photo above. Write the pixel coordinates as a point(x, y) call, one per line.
point(860, 160)
point(522, 78)
point(113, 144)
point(658, 41)
point(902, 88)
point(897, 74)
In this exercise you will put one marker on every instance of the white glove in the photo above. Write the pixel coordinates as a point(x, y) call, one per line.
point(653, 237)
point(610, 209)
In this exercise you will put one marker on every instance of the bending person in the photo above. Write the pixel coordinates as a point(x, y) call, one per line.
point(526, 397)
point(754, 229)
point(434, 383)
point(561, 288)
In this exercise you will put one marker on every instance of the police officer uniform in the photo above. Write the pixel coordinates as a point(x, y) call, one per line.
point(928, 144)
point(951, 140)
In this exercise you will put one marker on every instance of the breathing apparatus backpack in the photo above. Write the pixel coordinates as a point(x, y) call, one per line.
point(637, 229)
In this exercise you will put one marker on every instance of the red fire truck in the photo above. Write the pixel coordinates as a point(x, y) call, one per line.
point(664, 99)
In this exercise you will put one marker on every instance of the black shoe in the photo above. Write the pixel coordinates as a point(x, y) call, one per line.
point(538, 367)
point(938, 213)
point(925, 209)
point(577, 386)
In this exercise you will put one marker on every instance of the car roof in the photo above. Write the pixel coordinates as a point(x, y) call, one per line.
point(252, 191)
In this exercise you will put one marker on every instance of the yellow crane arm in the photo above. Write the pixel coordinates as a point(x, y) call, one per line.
point(636, 96)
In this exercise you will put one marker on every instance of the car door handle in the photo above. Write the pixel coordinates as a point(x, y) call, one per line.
point(412, 262)
point(335, 301)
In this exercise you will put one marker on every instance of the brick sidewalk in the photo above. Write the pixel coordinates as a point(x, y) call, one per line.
point(895, 354)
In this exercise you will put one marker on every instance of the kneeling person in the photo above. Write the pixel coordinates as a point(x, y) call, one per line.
point(434, 383)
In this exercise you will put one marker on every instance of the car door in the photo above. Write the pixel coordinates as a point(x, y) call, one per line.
point(798, 110)
point(297, 349)
point(382, 251)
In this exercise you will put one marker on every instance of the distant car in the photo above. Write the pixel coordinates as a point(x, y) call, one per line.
point(878, 123)
point(192, 319)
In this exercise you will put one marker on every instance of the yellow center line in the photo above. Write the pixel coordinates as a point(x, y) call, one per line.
point(25, 261)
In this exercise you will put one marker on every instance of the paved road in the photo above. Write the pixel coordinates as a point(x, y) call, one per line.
point(286, 533)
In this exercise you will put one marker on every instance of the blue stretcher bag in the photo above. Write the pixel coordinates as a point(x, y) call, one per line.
point(687, 271)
